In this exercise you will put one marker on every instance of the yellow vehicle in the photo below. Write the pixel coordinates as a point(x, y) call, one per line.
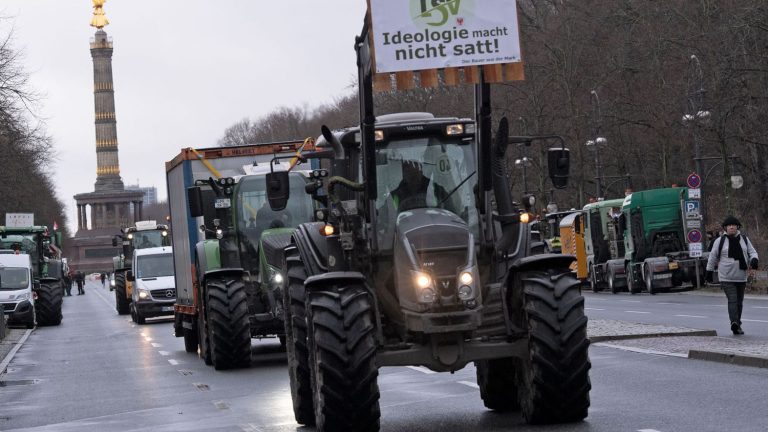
point(572, 242)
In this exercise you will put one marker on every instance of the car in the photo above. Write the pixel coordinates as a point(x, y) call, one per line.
point(154, 285)
point(16, 298)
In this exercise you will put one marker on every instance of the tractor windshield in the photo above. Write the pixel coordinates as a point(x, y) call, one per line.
point(253, 214)
point(150, 239)
point(24, 243)
point(434, 172)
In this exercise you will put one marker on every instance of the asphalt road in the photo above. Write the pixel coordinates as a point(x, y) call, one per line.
point(100, 372)
point(703, 310)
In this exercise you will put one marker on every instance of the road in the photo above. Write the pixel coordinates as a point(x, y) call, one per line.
point(100, 372)
point(704, 310)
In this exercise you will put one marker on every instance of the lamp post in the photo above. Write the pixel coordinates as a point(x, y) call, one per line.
point(695, 117)
point(596, 142)
point(524, 162)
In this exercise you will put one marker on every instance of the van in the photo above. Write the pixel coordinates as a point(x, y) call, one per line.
point(16, 296)
point(154, 286)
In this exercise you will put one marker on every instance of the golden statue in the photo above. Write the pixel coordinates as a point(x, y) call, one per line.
point(99, 20)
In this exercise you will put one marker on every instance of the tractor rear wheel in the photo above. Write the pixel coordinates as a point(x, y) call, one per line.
point(295, 319)
point(498, 388)
point(554, 376)
point(122, 304)
point(228, 323)
point(343, 359)
point(48, 304)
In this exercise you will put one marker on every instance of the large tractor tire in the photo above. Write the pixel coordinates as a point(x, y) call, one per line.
point(122, 305)
point(295, 320)
point(498, 388)
point(553, 379)
point(343, 358)
point(228, 323)
point(48, 304)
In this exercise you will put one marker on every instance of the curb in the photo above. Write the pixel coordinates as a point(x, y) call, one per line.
point(17, 346)
point(595, 339)
point(730, 358)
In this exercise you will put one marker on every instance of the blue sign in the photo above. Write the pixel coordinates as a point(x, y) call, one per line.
point(692, 207)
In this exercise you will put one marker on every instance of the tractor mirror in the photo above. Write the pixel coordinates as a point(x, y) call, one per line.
point(559, 164)
point(278, 190)
point(195, 199)
point(129, 276)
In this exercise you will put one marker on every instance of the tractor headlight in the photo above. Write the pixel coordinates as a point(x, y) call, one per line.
point(466, 278)
point(425, 287)
point(277, 278)
point(465, 292)
point(219, 233)
point(455, 129)
point(525, 218)
point(143, 294)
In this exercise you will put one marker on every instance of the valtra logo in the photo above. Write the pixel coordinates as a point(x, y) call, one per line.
point(436, 13)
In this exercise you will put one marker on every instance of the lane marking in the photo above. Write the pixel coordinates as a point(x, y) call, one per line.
point(164, 353)
point(760, 307)
point(752, 320)
point(469, 384)
point(173, 362)
point(421, 369)
point(109, 304)
point(637, 312)
point(648, 430)
point(665, 303)
point(631, 301)
point(147, 338)
point(641, 350)
point(156, 345)
point(597, 309)
point(691, 316)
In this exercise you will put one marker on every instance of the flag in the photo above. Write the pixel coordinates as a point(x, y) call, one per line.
point(55, 226)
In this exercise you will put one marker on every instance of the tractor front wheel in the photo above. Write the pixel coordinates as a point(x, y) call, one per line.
point(343, 359)
point(122, 304)
point(554, 375)
point(48, 304)
point(228, 323)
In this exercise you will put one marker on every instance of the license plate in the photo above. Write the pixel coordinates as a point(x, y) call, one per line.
point(223, 203)
point(662, 276)
point(167, 308)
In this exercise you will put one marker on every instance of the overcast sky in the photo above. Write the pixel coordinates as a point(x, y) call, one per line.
point(184, 71)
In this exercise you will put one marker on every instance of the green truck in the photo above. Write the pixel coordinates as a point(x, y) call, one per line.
point(656, 246)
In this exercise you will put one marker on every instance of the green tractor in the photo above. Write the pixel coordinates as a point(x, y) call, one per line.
point(49, 268)
point(142, 235)
point(414, 265)
point(237, 264)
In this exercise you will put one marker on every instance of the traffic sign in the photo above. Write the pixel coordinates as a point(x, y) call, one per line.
point(693, 223)
point(694, 236)
point(694, 193)
point(695, 249)
point(691, 209)
point(694, 181)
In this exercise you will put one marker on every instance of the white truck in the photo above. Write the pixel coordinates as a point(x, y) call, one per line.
point(154, 285)
point(16, 295)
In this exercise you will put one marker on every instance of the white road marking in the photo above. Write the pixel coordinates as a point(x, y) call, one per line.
point(760, 321)
point(164, 353)
point(664, 303)
point(648, 430)
point(173, 362)
point(637, 312)
point(156, 345)
point(421, 369)
point(597, 309)
point(469, 384)
point(630, 301)
point(760, 307)
point(641, 350)
point(691, 316)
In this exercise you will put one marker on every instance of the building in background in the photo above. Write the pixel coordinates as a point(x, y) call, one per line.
point(150, 193)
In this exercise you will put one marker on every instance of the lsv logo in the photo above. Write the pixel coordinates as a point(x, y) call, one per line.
point(446, 284)
point(437, 12)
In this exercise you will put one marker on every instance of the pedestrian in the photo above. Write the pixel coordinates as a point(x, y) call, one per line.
point(68, 283)
point(80, 280)
point(103, 278)
point(735, 258)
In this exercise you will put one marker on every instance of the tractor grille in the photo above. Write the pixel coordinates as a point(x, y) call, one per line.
point(443, 266)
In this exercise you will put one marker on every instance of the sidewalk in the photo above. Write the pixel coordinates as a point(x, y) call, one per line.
point(14, 339)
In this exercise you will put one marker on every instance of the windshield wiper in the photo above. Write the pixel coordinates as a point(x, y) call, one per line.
point(455, 189)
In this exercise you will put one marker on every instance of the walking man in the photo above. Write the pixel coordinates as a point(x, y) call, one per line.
point(734, 257)
point(80, 280)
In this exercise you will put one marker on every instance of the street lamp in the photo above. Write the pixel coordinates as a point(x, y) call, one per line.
point(596, 142)
point(523, 163)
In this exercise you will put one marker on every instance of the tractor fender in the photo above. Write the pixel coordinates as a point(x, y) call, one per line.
point(207, 254)
point(224, 272)
point(312, 246)
point(542, 262)
point(319, 281)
